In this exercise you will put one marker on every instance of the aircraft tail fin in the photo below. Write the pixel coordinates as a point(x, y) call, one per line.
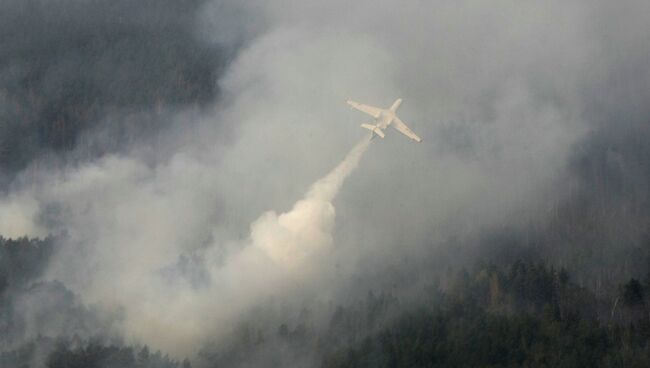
point(395, 105)
point(374, 129)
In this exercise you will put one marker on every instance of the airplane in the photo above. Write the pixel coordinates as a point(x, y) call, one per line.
point(384, 118)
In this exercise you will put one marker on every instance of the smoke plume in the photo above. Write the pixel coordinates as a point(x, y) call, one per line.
point(296, 236)
point(281, 248)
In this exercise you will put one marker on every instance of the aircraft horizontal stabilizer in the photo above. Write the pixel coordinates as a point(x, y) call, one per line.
point(374, 129)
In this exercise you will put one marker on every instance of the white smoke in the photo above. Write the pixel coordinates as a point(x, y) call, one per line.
point(280, 249)
point(128, 219)
point(18, 217)
point(295, 237)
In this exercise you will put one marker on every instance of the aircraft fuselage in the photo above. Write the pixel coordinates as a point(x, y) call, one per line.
point(384, 120)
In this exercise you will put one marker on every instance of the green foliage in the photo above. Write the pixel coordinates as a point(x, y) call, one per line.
point(22, 260)
point(525, 314)
point(633, 293)
point(539, 319)
point(99, 355)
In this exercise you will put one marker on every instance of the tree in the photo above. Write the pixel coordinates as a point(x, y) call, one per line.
point(633, 293)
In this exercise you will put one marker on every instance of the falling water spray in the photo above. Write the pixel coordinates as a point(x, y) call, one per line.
point(282, 250)
point(292, 238)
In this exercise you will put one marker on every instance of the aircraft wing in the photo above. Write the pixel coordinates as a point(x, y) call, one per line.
point(370, 110)
point(399, 125)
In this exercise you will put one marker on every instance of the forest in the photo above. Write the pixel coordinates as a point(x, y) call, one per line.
point(523, 314)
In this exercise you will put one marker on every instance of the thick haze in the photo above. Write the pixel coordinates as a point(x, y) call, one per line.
point(512, 101)
point(72, 66)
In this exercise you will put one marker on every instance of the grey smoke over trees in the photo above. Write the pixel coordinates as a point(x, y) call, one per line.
point(70, 66)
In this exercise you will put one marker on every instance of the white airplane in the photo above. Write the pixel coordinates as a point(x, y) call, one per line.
point(384, 118)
